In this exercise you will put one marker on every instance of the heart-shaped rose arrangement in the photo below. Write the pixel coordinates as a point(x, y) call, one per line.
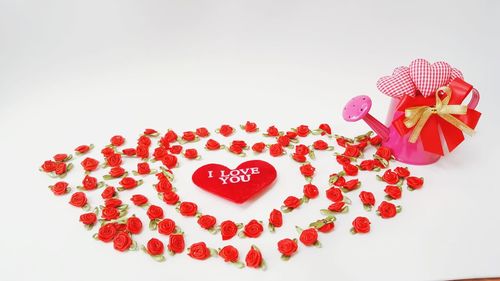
point(247, 180)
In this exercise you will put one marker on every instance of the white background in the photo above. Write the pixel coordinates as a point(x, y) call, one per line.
point(78, 72)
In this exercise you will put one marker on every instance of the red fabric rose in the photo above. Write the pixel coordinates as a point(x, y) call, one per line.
point(60, 188)
point(113, 202)
point(367, 165)
point(390, 177)
point(236, 149)
point(49, 166)
point(292, 202)
point(171, 198)
point(128, 183)
point(134, 225)
point(327, 227)
point(129, 152)
point(301, 149)
point(276, 150)
point(107, 232)
point(144, 141)
point(384, 152)
point(116, 172)
point(61, 157)
point(170, 161)
point(276, 218)
point(414, 182)
point(122, 241)
point(142, 151)
point(253, 229)
point(307, 170)
point(108, 192)
point(351, 184)
point(139, 200)
point(207, 221)
point(350, 169)
point(361, 225)
point(155, 247)
point(352, 151)
point(259, 147)
point(284, 141)
point(155, 212)
point(199, 251)
point(254, 258)
point(310, 191)
point(189, 136)
point(188, 209)
point(191, 153)
point(334, 194)
point(114, 160)
point(367, 198)
point(250, 127)
point(78, 199)
point(299, 158)
point(326, 129)
point(309, 237)
point(166, 226)
point(402, 172)
point(226, 130)
point(287, 247)
point(337, 207)
point(202, 132)
point(387, 210)
point(150, 132)
point(229, 253)
point(89, 183)
point(320, 145)
point(303, 131)
point(143, 168)
point(89, 164)
point(272, 131)
point(212, 145)
point(117, 140)
point(176, 243)
point(342, 160)
point(228, 229)
point(110, 213)
point(88, 218)
point(393, 191)
point(82, 149)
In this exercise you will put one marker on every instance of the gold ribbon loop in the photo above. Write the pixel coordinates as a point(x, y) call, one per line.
point(417, 116)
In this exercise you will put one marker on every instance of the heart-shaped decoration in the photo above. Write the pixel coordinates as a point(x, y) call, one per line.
point(237, 185)
point(455, 73)
point(398, 84)
point(429, 77)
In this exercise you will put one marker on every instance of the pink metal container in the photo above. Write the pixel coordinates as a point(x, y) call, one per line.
point(403, 150)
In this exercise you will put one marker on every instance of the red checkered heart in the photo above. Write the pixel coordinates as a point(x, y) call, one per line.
point(429, 77)
point(398, 84)
point(455, 73)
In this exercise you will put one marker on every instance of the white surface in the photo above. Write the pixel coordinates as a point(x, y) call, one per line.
point(75, 72)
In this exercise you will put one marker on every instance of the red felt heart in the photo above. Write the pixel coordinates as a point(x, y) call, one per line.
point(237, 185)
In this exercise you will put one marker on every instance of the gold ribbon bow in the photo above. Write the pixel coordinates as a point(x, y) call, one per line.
point(417, 116)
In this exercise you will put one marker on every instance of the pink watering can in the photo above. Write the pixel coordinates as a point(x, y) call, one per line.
point(426, 148)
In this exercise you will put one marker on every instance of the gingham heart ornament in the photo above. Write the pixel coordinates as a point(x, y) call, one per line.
point(398, 84)
point(429, 77)
point(455, 73)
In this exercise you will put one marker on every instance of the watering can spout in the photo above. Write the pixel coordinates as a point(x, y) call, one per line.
point(358, 108)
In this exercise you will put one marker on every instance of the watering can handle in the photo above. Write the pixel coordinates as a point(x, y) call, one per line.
point(474, 100)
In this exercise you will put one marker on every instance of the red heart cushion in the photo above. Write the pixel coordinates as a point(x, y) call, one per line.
point(237, 185)
point(398, 84)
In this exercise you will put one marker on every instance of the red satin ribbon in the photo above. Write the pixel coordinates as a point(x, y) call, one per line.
point(430, 134)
